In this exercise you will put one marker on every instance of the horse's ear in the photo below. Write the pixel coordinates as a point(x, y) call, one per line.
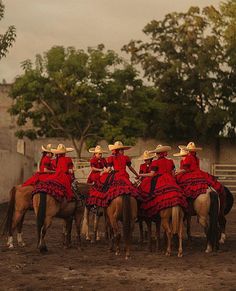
point(229, 200)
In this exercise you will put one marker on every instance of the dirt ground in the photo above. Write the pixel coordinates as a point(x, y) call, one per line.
point(94, 268)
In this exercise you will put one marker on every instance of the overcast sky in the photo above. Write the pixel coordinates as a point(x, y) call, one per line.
point(41, 24)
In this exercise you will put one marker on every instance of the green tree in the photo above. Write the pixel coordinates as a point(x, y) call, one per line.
point(6, 39)
point(76, 94)
point(184, 58)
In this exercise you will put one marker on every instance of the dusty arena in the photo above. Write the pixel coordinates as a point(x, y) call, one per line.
point(94, 268)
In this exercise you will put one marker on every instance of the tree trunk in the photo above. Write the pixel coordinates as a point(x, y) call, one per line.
point(78, 145)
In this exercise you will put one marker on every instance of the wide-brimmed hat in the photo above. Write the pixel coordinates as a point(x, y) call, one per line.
point(160, 149)
point(47, 148)
point(97, 150)
point(147, 156)
point(118, 145)
point(182, 153)
point(191, 147)
point(62, 149)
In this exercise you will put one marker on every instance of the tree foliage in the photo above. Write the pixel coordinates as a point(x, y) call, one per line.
point(81, 95)
point(6, 39)
point(188, 57)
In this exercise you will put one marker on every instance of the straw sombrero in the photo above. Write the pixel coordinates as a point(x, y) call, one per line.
point(160, 149)
point(118, 145)
point(97, 150)
point(191, 147)
point(48, 148)
point(147, 156)
point(61, 149)
point(182, 153)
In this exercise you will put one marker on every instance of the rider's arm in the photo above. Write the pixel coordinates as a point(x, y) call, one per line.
point(151, 174)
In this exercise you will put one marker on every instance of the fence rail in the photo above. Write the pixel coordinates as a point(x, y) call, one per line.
point(226, 174)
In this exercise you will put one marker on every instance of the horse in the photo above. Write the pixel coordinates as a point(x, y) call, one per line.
point(19, 203)
point(121, 209)
point(199, 203)
point(148, 222)
point(96, 215)
point(21, 200)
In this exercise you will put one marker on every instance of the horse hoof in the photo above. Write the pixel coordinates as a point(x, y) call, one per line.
point(21, 244)
point(117, 253)
point(92, 241)
point(127, 258)
point(11, 246)
point(168, 254)
point(43, 250)
point(207, 251)
point(180, 255)
point(87, 238)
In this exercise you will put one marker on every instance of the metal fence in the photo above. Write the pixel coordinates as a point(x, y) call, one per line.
point(226, 174)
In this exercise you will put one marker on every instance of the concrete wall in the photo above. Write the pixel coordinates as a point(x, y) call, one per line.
point(14, 169)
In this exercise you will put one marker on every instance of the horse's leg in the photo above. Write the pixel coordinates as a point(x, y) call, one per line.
point(180, 233)
point(140, 223)
point(79, 215)
point(158, 234)
point(222, 224)
point(188, 221)
point(20, 240)
point(166, 226)
point(116, 233)
point(67, 231)
point(149, 228)
point(17, 217)
point(86, 223)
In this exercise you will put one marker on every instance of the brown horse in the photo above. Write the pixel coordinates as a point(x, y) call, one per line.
point(20, 201)
point(172, 223)
point(122, 209)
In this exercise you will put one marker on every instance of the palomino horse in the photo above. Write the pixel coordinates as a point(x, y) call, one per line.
point(124, 209)
point(201, 208)
point(172, 223)
point(20, 202)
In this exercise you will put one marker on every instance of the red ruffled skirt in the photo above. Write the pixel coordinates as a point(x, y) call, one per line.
point(111, 186)
point(57, 185)
point(94, 177)
point(193, 183)
point(37, 177)
point(160, 192)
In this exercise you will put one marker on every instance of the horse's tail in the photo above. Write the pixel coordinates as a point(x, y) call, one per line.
point(175, 218)
point(41, 213)
point(213, 231)
point(126, 217)
point(6, 225)
point(229, 201)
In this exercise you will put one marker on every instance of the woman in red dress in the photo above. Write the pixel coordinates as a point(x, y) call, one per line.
point(192, 178)
point(98, 165)
point(59, 184)
point(46, 167)
point(115, 181)
point(147, 157)
point(159, 188)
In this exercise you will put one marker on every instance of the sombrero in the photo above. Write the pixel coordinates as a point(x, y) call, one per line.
point(118, 145)
point(147, 156)
point(61, 149)
point(182, 153)
point(160, 149)
point(48, 148)
point(191, 147)
point(97, 150)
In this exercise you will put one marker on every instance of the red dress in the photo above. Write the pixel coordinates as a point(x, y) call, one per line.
point(161, 191)
point(94, 176)
point(58, 184)
point(46, 162)
point(113, 184)
point(195, 181)
point(145, 168)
